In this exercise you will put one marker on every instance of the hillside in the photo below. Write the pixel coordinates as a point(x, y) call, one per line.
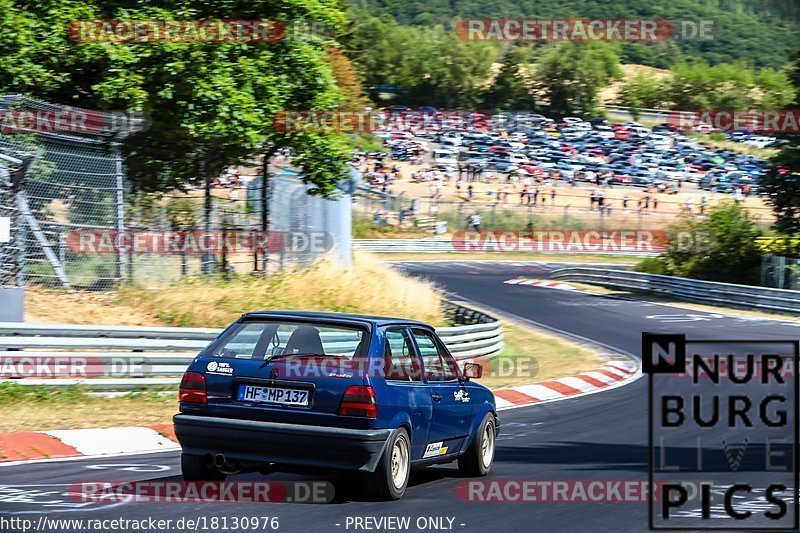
point(761, 32)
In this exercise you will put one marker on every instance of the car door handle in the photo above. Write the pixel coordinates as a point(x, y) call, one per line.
point(436, 397)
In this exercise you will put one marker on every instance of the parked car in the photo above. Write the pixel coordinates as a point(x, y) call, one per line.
point(444, 158)
point(324, 391)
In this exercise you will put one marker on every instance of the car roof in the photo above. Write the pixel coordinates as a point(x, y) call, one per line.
point(321, 316)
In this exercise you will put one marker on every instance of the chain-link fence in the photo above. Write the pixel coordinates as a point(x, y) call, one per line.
point(233, 233)
point(73, 180)
point(75, 222)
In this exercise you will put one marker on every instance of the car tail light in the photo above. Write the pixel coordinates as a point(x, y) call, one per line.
point(193, 388)
point(359, 401)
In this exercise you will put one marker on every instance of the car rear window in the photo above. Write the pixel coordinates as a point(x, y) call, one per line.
point(259, 340)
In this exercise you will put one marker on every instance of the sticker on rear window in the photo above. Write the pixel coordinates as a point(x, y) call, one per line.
point(222, 369)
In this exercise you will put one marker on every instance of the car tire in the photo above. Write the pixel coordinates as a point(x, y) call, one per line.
point(390, 479)
point(199, 468)
point(479, 457)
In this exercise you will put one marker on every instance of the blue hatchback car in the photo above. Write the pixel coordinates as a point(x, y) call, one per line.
point(326, 391)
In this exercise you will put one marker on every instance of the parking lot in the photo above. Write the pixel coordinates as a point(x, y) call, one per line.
point(568, 169)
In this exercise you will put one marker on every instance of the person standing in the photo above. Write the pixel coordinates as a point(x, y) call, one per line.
point(475, 221)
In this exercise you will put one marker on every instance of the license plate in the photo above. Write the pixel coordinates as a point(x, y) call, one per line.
point(252, 393)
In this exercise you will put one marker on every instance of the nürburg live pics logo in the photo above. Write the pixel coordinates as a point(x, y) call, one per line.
point(723, 422)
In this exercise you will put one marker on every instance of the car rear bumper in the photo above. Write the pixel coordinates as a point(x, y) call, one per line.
point(282, 444)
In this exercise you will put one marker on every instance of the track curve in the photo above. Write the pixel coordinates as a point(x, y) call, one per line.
point(602, 436)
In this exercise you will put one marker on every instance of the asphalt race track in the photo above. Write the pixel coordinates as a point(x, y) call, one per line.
point(596, 437)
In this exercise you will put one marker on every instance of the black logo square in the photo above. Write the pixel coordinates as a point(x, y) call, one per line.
point(663, 353)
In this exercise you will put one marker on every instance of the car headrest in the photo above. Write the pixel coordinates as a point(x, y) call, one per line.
point(305, 339)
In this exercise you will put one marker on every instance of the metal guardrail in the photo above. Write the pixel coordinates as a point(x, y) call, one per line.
point(445, 245)
point(743, 296)
point(424, 246)
point(158, 356)
point(643, 112)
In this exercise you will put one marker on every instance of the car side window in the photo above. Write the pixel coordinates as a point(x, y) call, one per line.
point(437, 365)
point(400, 361)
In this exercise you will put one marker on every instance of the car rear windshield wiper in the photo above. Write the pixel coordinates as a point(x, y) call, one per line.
point(268, 360)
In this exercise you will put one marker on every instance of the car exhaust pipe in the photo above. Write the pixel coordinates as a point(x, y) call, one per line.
point(225, 466)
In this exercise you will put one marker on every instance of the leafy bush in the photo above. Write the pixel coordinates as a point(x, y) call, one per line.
point(720, 247)
point(652, 265)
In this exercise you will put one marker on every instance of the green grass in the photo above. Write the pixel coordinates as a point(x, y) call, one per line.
point(13, 393)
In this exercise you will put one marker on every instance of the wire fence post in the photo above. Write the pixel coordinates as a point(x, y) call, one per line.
point(119, 206)
point(265, 216)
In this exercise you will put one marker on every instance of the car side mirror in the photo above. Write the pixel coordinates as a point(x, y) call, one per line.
point(472, 370)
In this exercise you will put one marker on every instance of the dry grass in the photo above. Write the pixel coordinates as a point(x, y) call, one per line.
point(531, 356)
point(39, 408)
point(95, 413)
point(43, 306)
point(370, 287)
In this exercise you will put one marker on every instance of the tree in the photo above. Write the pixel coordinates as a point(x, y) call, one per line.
point(348, 79)
point(697, 85)
point(568, 76)
point(775, 88)
point(761, 32)
point(509, 90)
point(427, 66)
point(641, 91)
point(781, 183)
point(721, 247)
point(211, 104)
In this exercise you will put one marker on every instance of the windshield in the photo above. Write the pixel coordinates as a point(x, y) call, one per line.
point(265, 340)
